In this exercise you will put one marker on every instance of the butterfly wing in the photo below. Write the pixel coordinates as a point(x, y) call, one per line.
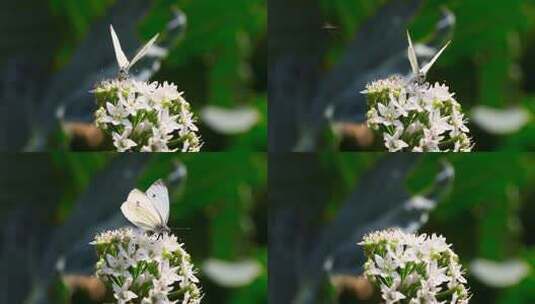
point(411, 53)
point(143, 51)
point(139, 210)
point(428, 66)
point(122, 61)
point(159, 196)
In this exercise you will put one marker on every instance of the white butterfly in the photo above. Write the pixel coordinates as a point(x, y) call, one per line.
point(150, 210)
point(122, 61)
point(418, 73)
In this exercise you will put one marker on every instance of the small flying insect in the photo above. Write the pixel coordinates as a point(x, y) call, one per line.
point(149, 210)
point(122, 61)
point(329, 27)
point(417, 73)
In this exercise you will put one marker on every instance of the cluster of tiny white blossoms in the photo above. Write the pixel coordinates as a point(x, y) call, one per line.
point(146, 117)
point(414, 269)
point(416, 116)
point(145, 269)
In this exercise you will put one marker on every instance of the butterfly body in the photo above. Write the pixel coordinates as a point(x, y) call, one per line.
point(122, 75)
point(418, 78)
point(160, 230)
point(148, 210)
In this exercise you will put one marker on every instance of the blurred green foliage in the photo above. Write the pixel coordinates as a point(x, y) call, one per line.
point(78, 15)
point(487, 214)
point(221, 58)
point(489, 62)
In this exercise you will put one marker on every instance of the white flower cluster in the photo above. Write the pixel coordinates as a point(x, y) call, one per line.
point(146, 117)
point(417, 117)
point(414, 269)
point(146, 269)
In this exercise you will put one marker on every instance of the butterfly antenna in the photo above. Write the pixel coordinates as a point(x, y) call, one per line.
point(180, 228)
